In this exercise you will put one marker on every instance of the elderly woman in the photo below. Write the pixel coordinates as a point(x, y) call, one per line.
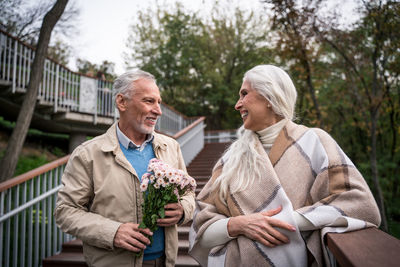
point(279, 188)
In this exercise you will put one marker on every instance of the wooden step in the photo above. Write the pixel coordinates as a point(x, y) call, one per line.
point(65, 259)
point(185, 261)
point(73, 246)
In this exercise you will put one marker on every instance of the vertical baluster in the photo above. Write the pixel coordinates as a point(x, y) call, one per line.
point(107, 104)
point(16, 226)
point(36, 261)
point(14, 75)
point(47, 85)
point(102, 101)
point(30, 223)
point(65, 87)
point(69, 86)
point(8, 230)
point(29, 66)
point(25, 71)
point(44, 80)
point(20, 65)
point(2, 61)
point(54, 197)
point(96, 107)
point(2, 194)
point(10, 51)
point(60, 233)
point(23, 227)
point(49, 215)
point(43, 222)
point(56, 78)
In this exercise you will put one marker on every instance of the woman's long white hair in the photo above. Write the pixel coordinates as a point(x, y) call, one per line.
point(242, 164)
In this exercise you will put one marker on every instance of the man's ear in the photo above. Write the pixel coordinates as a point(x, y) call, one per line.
point(120, 102)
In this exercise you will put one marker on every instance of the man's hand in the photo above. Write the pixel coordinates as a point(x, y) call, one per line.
point(173, 213)
point(130, 237)
point(260, 227)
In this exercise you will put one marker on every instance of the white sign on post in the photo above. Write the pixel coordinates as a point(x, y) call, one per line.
point(87, 95)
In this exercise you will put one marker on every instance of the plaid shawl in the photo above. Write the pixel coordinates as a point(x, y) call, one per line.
point(308, 173)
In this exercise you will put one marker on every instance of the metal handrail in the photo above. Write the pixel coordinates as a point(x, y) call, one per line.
point(28, 230)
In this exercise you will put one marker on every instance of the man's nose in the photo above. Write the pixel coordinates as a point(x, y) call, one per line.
point(157, 110)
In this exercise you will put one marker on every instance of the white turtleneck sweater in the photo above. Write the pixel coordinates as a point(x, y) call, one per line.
point(217, 233)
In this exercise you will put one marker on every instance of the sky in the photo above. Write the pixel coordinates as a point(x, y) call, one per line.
point(103, 26)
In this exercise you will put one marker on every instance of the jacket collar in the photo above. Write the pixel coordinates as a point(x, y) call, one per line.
point(111, 141)
point(111, 144)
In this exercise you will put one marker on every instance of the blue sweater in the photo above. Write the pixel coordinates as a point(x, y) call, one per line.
point(139, 161)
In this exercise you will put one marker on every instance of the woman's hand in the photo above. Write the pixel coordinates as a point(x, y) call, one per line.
point(260, 227)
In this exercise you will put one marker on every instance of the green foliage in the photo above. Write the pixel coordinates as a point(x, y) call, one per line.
point(103, 71)
point(27, 163)
point(199, 63)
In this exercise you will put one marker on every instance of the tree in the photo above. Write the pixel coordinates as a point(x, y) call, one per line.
point(199, 62)
point(15, 143)
point(370, 60)
point(59, 52)
point(104, 71)
point(293, 24)
point(22, 19)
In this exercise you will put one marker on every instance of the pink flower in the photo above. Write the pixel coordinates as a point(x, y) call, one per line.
point(192, 182)
point(172, 179)
point(143, 187)
point(154, 160)
point(160, 181)
point(145, 176)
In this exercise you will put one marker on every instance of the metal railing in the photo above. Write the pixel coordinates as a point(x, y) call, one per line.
point(220, 136)
point(191, 140)
point(27, 228)
point(65, 90)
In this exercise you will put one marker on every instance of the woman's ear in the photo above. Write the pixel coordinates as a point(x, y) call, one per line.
point(120, 102)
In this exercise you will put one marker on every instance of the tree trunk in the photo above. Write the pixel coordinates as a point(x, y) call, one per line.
point(17, 139)
point(374, 170)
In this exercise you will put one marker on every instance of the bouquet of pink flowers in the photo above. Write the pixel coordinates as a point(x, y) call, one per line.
point(162, 184)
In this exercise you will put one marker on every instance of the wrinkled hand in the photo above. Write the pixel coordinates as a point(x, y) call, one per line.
point(173, 213)
point(260, 227)
point(130, 237)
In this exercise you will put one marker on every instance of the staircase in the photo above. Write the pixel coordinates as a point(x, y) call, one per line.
point(200, 168)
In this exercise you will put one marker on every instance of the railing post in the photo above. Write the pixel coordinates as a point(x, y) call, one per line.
point(96, 106)
point(14, 78)
point(56, 89)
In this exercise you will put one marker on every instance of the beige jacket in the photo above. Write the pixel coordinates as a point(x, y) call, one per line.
point(101, 191)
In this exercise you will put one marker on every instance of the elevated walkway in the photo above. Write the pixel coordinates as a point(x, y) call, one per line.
point(67, 102)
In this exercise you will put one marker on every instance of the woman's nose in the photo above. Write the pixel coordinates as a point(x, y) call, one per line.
point(238, 104)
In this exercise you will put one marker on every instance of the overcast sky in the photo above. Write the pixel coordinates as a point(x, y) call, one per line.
point(103, 26)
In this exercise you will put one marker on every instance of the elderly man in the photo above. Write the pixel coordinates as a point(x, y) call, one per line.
point(100, 202)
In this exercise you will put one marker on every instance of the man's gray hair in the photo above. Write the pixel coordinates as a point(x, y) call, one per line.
point(276, 86)
point(124, 84)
